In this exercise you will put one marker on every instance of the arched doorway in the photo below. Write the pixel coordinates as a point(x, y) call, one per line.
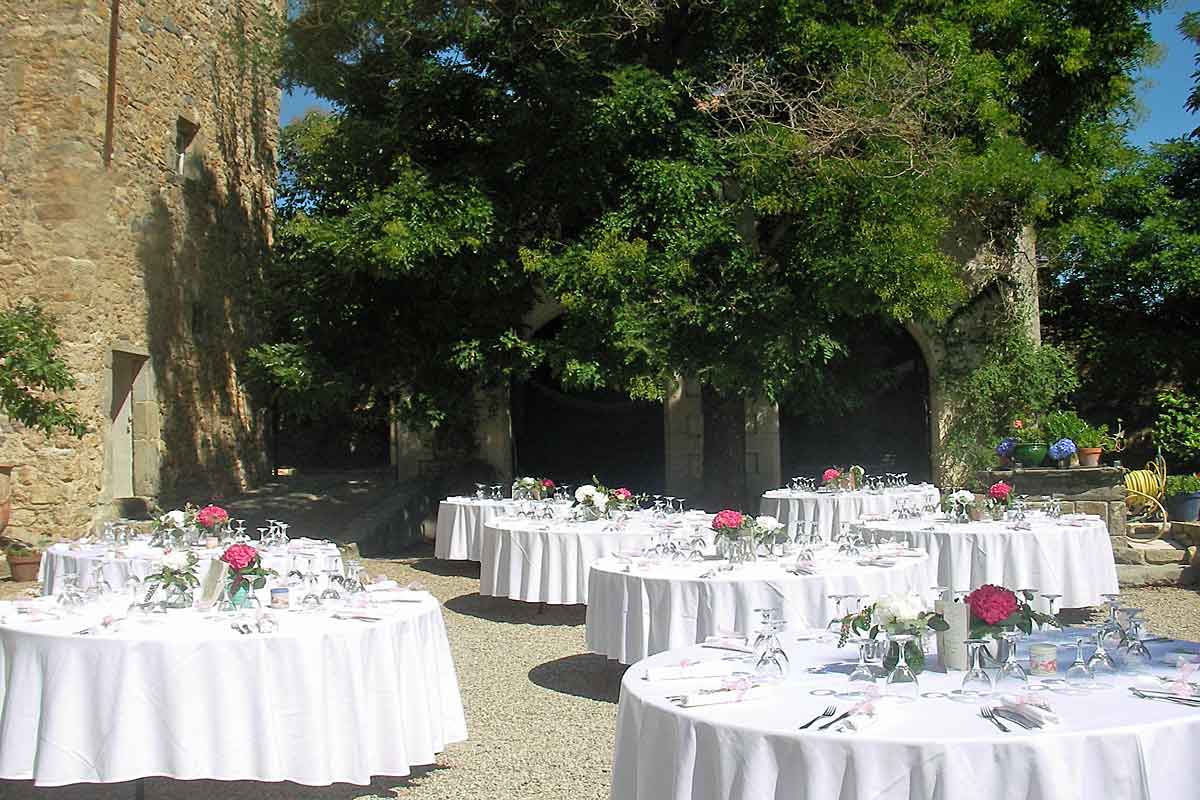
point(571, 436)
point(872, 409)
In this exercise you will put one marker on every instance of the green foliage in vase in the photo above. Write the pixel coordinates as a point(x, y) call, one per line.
point(711, 189)
point(1181, 484)
point(32, 372)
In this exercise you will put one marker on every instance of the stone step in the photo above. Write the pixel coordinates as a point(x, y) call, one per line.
point(1159, 551)
point(1145, 530)
point(1132, 575)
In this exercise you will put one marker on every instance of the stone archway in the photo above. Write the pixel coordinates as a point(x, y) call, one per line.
point(571, 436)
point(874, 410)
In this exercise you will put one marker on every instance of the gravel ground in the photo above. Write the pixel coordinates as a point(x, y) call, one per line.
point(541, 711)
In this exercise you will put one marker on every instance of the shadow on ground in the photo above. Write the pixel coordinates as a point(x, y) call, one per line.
point(167, 789)
point(423, 562)
point(589, 675)
point(499, 609)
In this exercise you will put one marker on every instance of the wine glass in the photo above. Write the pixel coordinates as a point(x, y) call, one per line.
point(1051, 600)
point(1137, 656)
point(1100, 663)
point(902, 681)
point(1110, 635)
point(1011, 675)
point(976, 683)
point(1079, 674)
point(862, 677)
point(773, 664)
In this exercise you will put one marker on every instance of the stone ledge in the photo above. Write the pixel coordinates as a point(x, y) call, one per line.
point(1130, 575)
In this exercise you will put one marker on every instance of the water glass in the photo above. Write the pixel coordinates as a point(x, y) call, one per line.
point(902, 681)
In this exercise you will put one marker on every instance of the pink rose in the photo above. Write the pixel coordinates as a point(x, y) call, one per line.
point(830, 474)
point(211, 516)
point(999, 491)
point(727, 520)
point(622, 493)
point(992, 603)
point(547, 483)
point(239, 556)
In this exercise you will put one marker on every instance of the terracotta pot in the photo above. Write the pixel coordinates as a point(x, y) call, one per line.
point(24, 568)
point(5, 495)
point(1089, 456)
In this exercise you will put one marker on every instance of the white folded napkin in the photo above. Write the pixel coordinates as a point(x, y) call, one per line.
point(1035, 709)
point(728, 642)
point(865, 715)
point(692, 668)
point(382, 586)
point(738, 691)
point(359, 614)
point(400, 596)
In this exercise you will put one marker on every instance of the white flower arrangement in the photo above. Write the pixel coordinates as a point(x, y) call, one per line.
point(176, 560)
point(898, 610)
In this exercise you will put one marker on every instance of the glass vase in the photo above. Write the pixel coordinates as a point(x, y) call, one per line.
point(176, 595)
point(914, 654)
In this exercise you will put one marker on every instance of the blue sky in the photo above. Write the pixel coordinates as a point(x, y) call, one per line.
point(1162, 87)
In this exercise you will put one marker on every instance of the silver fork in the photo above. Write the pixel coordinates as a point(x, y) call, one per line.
point(828, 712)
point(990, 716)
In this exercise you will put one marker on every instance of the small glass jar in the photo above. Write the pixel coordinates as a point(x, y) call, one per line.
point(1043, 659)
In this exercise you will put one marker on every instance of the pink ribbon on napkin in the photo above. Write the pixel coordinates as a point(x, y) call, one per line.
point(738, 685)
point(1182, 684)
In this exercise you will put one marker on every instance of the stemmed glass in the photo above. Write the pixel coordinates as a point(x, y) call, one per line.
point(331, 595)
point(1136, 656)
point(1110, 634)
point(863, 676)
point(1100, 663)
point(1011, 675)
point(773, 664)
point(1051, 600)
point(902, 681)
point(1079, 674)
point(835, 624)
point(976, 682)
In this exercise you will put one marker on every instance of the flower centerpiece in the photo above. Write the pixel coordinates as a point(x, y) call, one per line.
point(176, 578)
point(998, 499)
point(246, 572)
point(958, 505)
point(892, 615)
point(831, 476)
point(736, 530)
point(211, 517)
point(1061, 452)
point(596, 500)
point(529, 488)
point(995, 609)
point(847, 479)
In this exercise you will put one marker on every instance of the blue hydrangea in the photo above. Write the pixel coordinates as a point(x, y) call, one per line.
point(1063, 448)
point(1006, 446)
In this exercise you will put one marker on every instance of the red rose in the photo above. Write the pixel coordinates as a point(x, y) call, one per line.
point(991, 603)
point(547, 483)
point(239, 556)
point(727, 520)
point(623, 493)
point(1000, 491)
point(211, 516)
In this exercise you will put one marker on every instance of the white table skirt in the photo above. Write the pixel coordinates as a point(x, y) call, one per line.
point(548, 562)
point(829, 509)
point(59, 560)
point(647, 610)
point(322, 701)
point(1073, 558)
point(460, 523)
point(1108, 745)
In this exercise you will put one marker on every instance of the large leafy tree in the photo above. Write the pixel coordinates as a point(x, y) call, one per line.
point(709, 188)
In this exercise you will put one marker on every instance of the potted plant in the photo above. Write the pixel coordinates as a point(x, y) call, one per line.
point(1030, 448)
point(23, 560)
point(1061, 451)
point(1091, 441)
point(1183, 497)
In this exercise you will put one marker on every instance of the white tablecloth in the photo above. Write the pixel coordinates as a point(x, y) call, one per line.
point(548, 562)
point(319, 702)
point(1071, 557)
point(59, 560)
point(1109, 744)
point(653, 608)
point(460, 525)
point(830, 509)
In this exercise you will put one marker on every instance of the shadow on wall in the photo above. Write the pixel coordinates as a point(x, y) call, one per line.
point(203, 247)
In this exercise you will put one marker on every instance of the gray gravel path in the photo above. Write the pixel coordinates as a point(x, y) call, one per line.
point(540, 710)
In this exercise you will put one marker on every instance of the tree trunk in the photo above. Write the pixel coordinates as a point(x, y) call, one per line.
point(724, 450)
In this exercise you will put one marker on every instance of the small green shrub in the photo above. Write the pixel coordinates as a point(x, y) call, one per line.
point(1182, 484)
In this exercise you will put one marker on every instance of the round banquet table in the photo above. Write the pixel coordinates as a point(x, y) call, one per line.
point(636, 610)
point(460, 523)
point(1071, 556)
point(541, 561)
point(321, 701)
point(829, 509)
point(140, 560)
point(1107, 743)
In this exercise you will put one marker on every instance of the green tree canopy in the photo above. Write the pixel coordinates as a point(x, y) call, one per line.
point(709, 188)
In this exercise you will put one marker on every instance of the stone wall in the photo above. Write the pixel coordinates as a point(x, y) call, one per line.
point(149, 265)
